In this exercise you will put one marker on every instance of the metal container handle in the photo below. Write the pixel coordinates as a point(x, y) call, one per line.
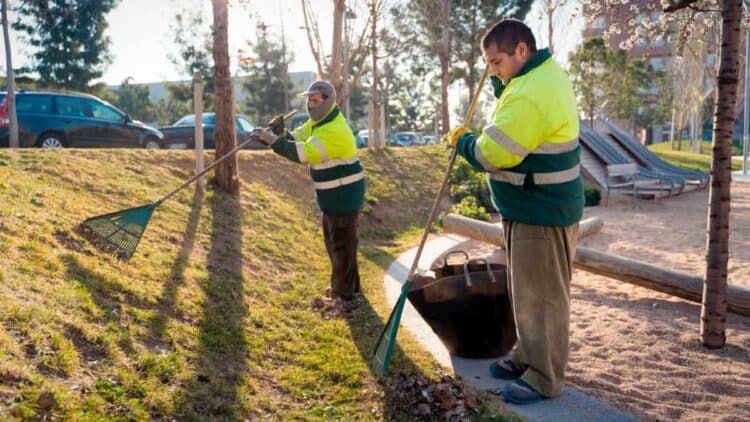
point(467, 274)
point(445, 258)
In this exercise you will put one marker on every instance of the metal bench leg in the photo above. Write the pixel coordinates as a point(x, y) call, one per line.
point(606, 197)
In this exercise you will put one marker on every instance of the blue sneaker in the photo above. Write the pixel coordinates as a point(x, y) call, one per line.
point(505, 370)
point(520, 392)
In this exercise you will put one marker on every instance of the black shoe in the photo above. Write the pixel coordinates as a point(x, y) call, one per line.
point(520, 392)
point(505, 370)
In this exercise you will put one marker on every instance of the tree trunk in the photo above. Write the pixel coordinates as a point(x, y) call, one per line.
point(671, 130)
point(336, 75)
point(550, 12)
point(374, 135)
point(445, 56)
point(11, 96)
point(714, 307)
point(225, 140)
point(471, 62)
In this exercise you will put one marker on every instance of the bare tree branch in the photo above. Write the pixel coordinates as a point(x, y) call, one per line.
point(700, 9)
point(674, 5)
point(362, 42)
point(309, 30)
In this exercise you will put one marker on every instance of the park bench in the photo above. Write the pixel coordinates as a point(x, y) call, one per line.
point(624, 178)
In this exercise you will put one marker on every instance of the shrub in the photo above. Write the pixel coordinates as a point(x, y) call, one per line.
point(467, 182)
point(470, 207)
point(592, 195)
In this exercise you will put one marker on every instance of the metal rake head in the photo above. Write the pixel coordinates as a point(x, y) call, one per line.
point(117, 233)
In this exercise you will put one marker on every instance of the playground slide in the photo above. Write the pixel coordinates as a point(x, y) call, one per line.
point(646, 158)
point(608, 154)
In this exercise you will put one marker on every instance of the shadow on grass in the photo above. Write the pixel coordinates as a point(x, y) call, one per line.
point(177, 277)
point(220, 356)
point(366, 325)
point(106, 294)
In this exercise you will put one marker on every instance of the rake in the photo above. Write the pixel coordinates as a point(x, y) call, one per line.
point(381, 356)
point(118, 233)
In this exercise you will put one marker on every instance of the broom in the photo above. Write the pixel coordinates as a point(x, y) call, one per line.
point(381, 356)
point(118, 233)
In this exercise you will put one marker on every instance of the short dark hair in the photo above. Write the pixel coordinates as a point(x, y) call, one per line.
point(507, 34)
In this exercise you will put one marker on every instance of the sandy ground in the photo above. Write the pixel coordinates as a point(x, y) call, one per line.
point(638, 349)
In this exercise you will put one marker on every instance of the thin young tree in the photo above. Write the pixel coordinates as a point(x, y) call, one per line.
point(714, 303)
point(227, 177)
point(11, 96)
point(343, 74)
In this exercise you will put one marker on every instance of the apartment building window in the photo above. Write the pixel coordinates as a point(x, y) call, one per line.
point(600, 22)
point(711, 59)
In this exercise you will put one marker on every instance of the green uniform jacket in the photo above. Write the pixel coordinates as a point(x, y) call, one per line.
point(331, 150)
point(531, 151)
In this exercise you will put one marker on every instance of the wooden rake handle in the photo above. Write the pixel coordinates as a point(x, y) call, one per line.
point(214, 164)
point(446, 177)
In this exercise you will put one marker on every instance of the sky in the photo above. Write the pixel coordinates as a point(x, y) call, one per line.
point(140, 34)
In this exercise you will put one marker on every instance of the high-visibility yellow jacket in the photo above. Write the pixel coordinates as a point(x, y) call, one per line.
point(329, 147)
point(530, 150)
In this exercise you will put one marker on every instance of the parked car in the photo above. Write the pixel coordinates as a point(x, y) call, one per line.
point(181, 135)
point(404, 139)
point(429, 139)
point(297, 120)
point(50, 119)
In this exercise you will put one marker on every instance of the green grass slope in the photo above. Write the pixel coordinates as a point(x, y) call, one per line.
point(212, 317)
point(687, 159)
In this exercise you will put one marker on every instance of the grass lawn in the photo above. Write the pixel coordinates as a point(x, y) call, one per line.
point(687, 159)
point(211, 318)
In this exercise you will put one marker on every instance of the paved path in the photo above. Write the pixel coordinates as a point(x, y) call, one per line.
point(572, 405)
point(739, 177)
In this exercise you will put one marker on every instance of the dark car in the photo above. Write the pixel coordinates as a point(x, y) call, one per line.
point(404, 139)
point(181, 135)
point(51, 119)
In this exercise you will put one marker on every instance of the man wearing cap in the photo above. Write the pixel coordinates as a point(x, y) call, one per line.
point(327, 144)
point(531, 154)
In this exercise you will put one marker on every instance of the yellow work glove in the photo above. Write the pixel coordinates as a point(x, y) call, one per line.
point(456, 133)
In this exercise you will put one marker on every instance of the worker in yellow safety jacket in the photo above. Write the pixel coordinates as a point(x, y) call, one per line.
point(326, 143)
point(531, 154)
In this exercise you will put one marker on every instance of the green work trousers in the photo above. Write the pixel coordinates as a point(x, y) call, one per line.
point(540, 264)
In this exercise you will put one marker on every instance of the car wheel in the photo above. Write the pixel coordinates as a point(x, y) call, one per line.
point(151, 143)
point(50, 140)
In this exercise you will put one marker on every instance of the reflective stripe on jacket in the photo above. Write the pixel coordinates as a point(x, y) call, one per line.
point(329, 147)
point(530, 150)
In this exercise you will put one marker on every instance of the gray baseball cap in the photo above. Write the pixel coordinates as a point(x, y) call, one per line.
point(324, 87)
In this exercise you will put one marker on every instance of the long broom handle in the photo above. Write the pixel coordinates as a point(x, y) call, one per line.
point(433, 213)
point(214, 164)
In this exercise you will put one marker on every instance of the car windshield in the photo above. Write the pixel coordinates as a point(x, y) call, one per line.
point(245, 124)
point(186, 121)
point(189, 120)
point(406, 138)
